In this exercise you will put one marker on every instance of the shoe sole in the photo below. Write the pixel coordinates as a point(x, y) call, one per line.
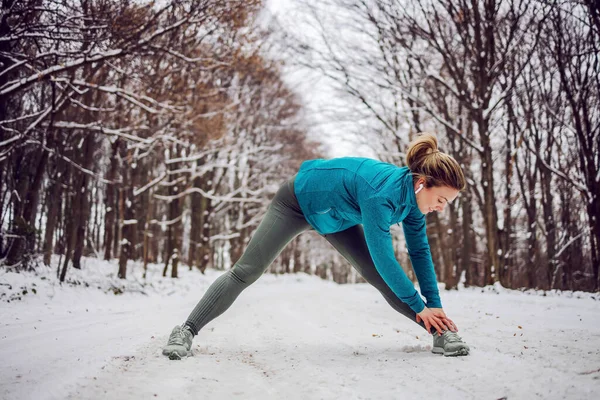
point(176, 356)
point(459, 352)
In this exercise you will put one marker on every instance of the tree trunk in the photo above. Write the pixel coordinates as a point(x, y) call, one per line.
point(155, 238)
point(69, 231)
point(2, 182)
point(109, 202)
point(53, 203)
point(286, 258)
point(127, 207)
point(25, 208)
point(454, 268)
point(204, 255)
point(550, 227)
point(96, 227)
point(147, 234)
point(490, 215)
point(298, 256)
point(81, 224)
point(174, 217)
point(197, 220)
point(467, 248)
point(505, 276)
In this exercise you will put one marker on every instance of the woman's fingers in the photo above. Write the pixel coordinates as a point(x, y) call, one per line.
point(426, 318)
point(427, 324)
point(436, 323)
point(442, 323)
point(452, 325)
point(436, 326)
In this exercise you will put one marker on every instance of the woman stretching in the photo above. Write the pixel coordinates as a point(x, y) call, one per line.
point(352, 202)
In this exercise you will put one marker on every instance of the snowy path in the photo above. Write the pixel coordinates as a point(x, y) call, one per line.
point(296, 337)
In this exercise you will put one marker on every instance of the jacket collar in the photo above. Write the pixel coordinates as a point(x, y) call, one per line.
point(404, 198)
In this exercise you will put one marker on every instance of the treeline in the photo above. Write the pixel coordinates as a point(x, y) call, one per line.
point(512, 89)
point(153, 131)
point(158, 132)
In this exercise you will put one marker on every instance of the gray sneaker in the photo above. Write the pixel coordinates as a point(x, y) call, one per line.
point(180, 343)
point(449, 344)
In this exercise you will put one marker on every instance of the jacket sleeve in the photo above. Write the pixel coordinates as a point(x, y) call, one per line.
point(376, 217)
point(414, 226)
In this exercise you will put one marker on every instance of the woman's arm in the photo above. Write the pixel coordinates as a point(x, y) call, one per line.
point(376, 217)
point(420, 256)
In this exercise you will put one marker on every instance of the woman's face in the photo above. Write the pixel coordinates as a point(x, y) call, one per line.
point(434, 198)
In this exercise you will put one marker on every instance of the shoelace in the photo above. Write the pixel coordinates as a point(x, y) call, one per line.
point(452, 337)
point(177, 337)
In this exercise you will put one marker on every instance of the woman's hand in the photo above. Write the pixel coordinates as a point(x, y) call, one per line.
point(439, 312)
point(437, 318)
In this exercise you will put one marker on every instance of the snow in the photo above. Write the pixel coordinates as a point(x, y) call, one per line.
point(292, 336)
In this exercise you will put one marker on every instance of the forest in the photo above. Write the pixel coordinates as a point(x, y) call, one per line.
point(157, 132)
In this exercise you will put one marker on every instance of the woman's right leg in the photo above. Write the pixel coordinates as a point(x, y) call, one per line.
point(282, 222)
point(352, 245)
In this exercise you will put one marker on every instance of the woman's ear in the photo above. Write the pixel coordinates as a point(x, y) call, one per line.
point(420, 185)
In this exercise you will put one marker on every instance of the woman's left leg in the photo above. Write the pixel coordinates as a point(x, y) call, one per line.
point(352, 245)
point(282, 223)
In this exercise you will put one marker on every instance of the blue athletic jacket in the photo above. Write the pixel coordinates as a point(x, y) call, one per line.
point(342, 192)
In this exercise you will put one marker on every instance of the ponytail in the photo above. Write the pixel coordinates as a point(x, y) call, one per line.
point(426, 161)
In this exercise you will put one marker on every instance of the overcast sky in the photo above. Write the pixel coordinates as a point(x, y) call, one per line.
point(315, 91)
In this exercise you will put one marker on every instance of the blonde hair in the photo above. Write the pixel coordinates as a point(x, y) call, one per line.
point(436, 168)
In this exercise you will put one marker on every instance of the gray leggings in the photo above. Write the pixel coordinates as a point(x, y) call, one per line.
point(282, 223)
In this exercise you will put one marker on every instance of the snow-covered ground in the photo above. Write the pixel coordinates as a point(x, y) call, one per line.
point(292, 337)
